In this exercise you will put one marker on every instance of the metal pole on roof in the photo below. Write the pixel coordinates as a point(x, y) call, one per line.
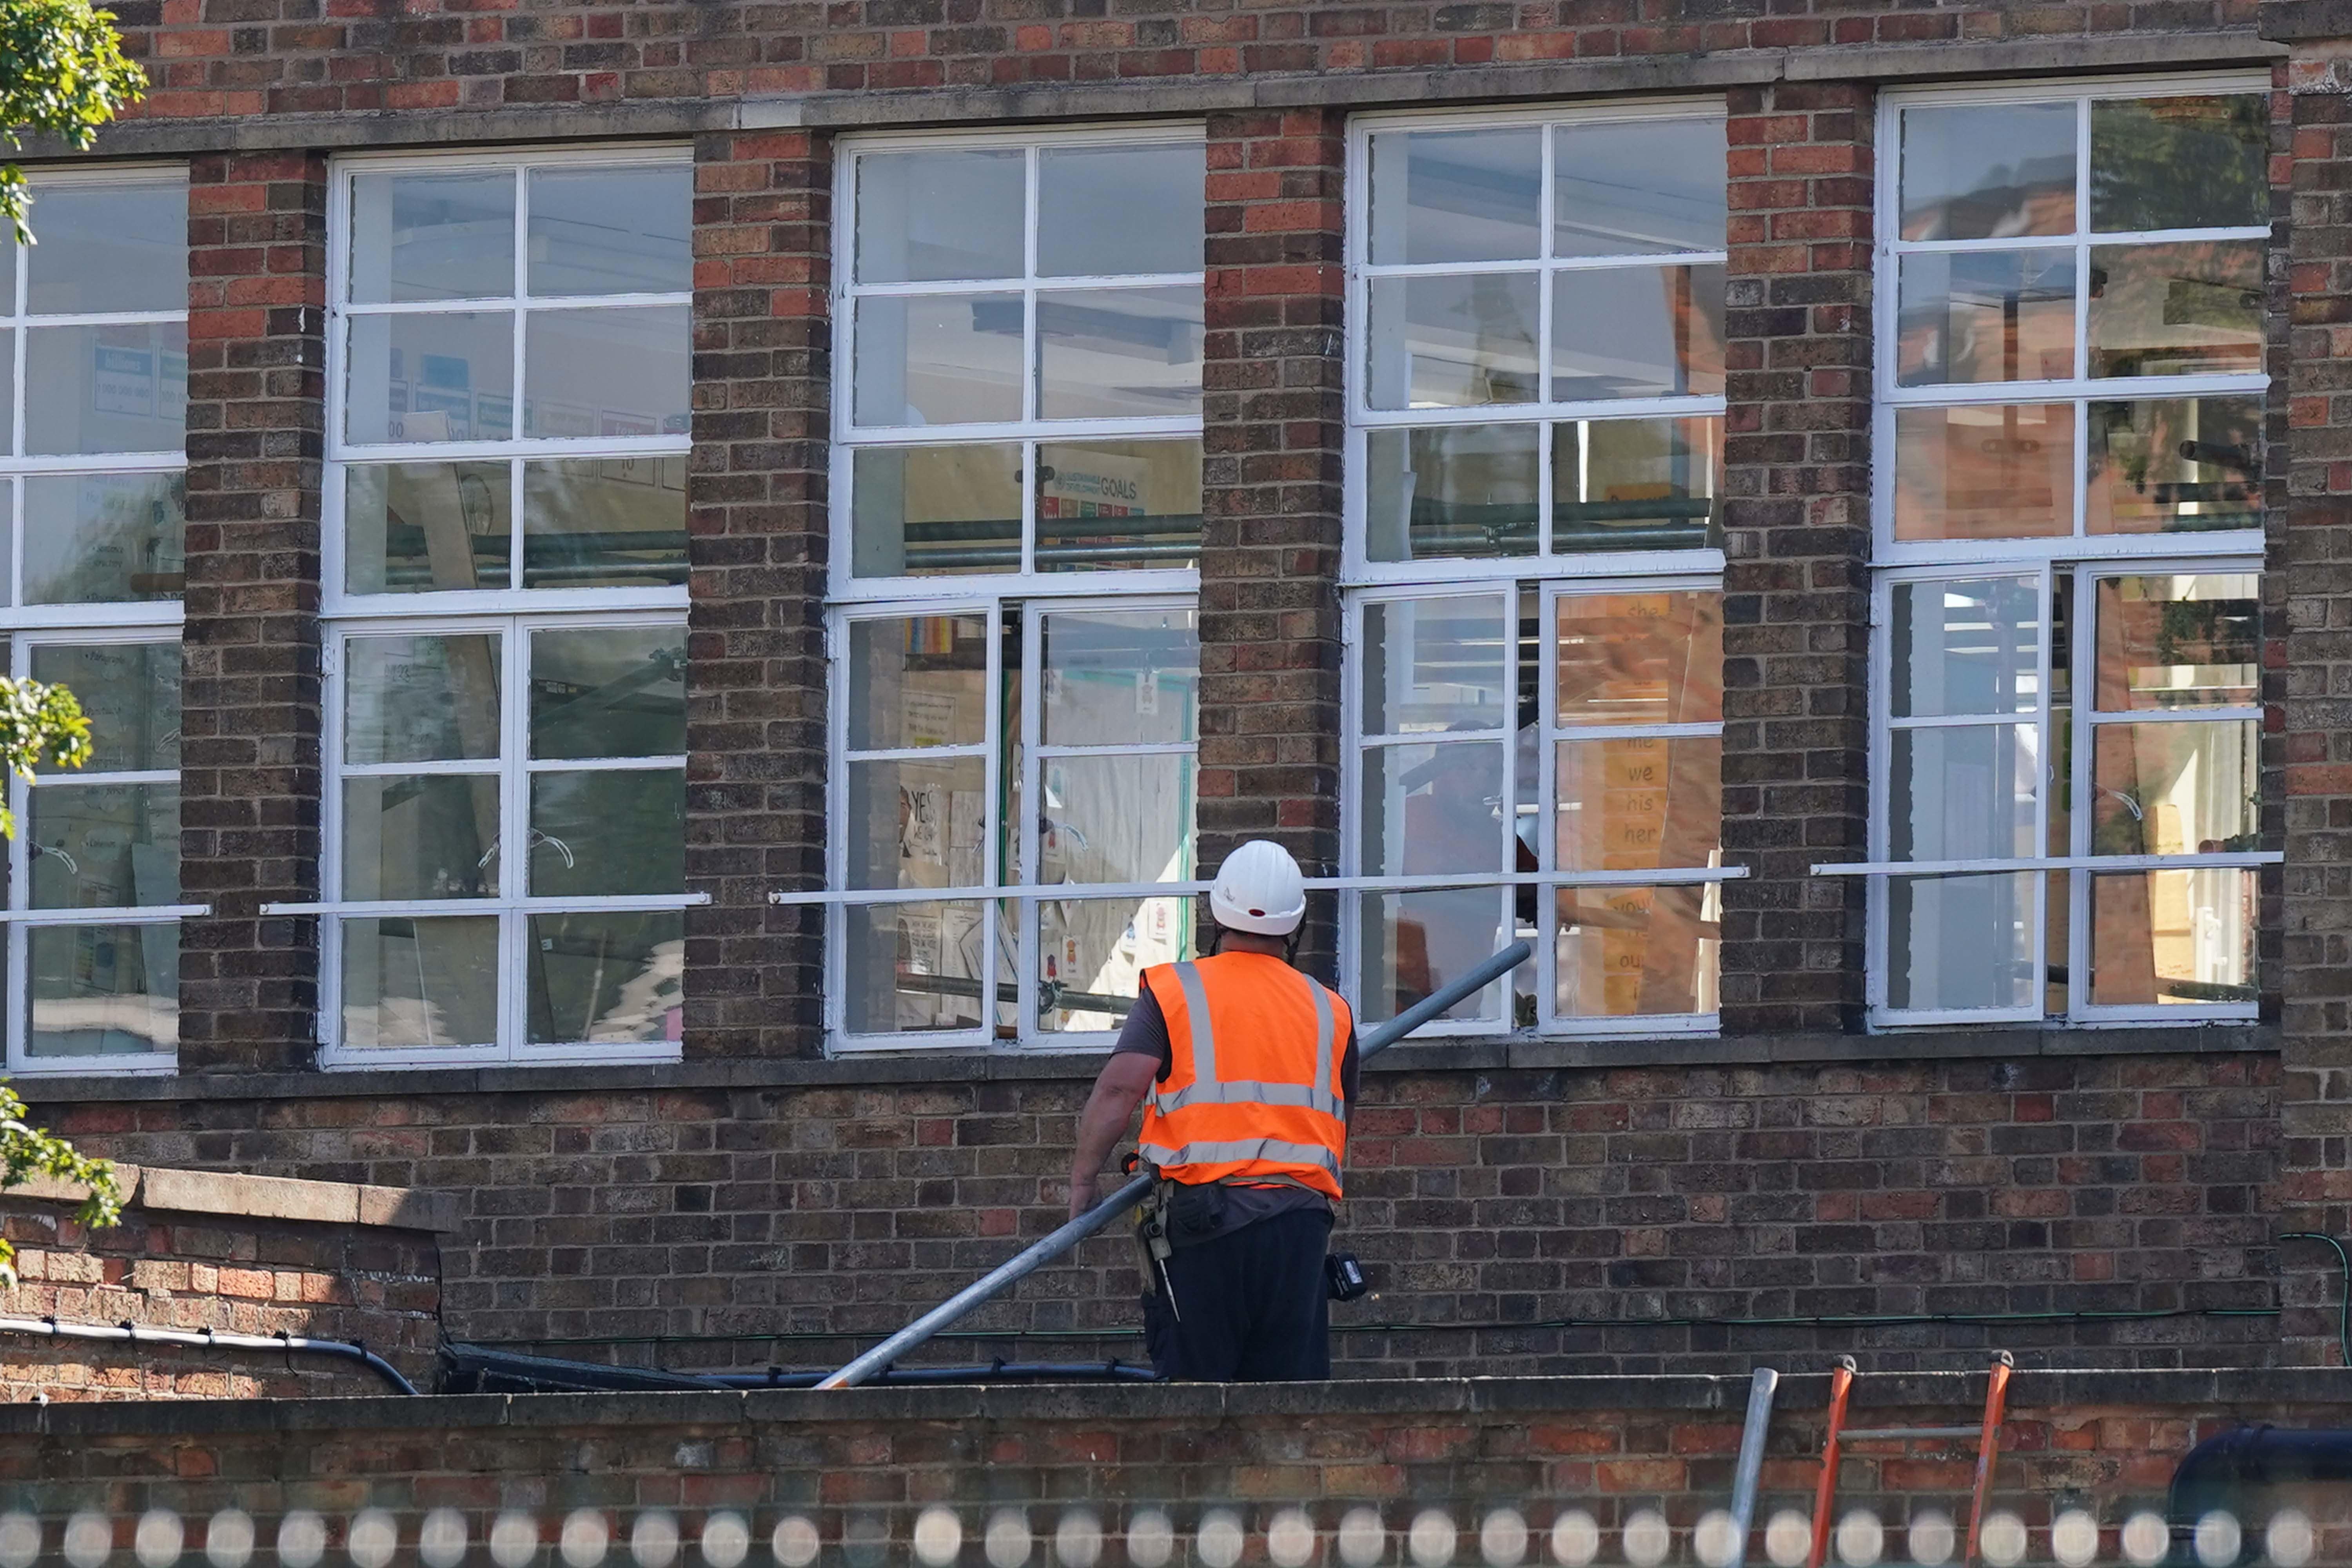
point(1006, 1275)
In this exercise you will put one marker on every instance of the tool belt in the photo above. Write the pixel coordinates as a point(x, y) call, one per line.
point(1180, 1213)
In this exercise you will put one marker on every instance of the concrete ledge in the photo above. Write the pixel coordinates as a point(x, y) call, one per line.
point(232, 1196)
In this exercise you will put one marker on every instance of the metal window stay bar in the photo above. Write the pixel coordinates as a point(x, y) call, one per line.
point(1472, 881)
point(371, 908)
point(2237, 859)
point(132, 914)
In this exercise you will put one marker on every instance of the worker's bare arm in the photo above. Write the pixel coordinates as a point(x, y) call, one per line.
point(1125, 1079)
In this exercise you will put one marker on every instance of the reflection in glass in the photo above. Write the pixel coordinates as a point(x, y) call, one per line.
point(420, 699)
point(1435, 664)
point(420, 984)
point(614, 692)
point(122, 388)
point(110, 990)
point(1120, 353)
point(1967, 645)
point(2173, 936)
point(1120, 678)
point(935, 215)
point(103, 847)
point(604, 522)
point(1108, 505)
point(1638, 187)
point(1960, 943)
point(419, 528)
point(433, 836)
point(917, 824)
point(104, 538)
point(114, 247)
point(1415, 943)
point(2194, 307)
point(1639, 658)
point(613, 977)
point(2180, 163)
point(2175, 465)
point(920, 680)
point(608, 833)
point(2173, 789)
point(1962, 792)
point(2002, 471)
point(432, 237)
point(1457, 196)
point(1434, 810)
point(1124, 818)
point(1637, 332)
point(1639, 802)
point(612, 231)
point(2180, 641)
point(1637, 484)
point(1452, 490)
point(606, 373)
point(916, 966)
point(1092, 953)
point(1106, 210)
point(130, 692)
point(1984, 315)
point(1626, 952)
point(932, 359)
point(1452, 342)
point(1988, 172)
point(921, 512)
point(430, 377)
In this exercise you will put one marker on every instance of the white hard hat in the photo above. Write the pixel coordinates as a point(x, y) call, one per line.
point(1259, 889)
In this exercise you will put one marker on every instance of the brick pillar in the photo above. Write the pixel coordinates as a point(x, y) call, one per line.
point(755, 629)
point(1796, 542)
point(1271, 496)
point(250, 775)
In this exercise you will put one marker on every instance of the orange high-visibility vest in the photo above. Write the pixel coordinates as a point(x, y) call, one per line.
point(1253, 1088)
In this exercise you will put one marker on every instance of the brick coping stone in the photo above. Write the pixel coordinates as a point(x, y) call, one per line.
point(236, 1196)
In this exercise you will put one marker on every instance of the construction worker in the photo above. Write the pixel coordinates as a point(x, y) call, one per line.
point(1246, 1069)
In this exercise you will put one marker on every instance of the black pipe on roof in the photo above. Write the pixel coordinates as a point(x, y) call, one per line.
point(208, 1338)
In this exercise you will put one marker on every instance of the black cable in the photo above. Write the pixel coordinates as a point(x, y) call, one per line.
point(290, 1345)
point(2344, 1308)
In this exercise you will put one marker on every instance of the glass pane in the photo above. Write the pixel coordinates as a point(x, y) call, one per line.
point(103, 990)
point(917, 824)
point(1114, 504)
point(1965, 793)
point(1413, 944)
point(612, 231)
point(1641, 658)
point(420, 985)
point(104, 538)
point(2176, 642)
point(925, 216)
point(910, 967)
point(604, 522)
point(2164, 938)
point(1105, 210)
point(1120, 353)
point(2180, 163)
point(2173, 789)
point(608, 691)
point(131, 690)
point(2003, 470)
point(606, 979)
point(1638, 187)
point(1988, 172)
point(1957, 942)
point(1120, 678)
point(1625, 951)
point(1637, 484)
point(429, 837)
point(940, 361)
point(419, 528)
point(1116, 818)
point(1434, 810)
point(2175, 465)
point(1436, 664)
point(920, 511)
point(109, 247)
point(2191, 308)
point(1092, 953)
point(421, 699)
point(918, 681)
point(604, 834)
point(606, 373)
point(1637, 332)
point(430, 377)
point(1986, 315)
point(2057, 944)
point(432, 237)
point(1452, 490)
point(1457, 196)
point(1639, 803)
point(103, 847)
point(106, 389)
point(1452, 342)
point(8, 387)
point(1969, 645)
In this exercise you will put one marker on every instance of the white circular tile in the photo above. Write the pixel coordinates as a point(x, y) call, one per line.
point(1150, 1539)
point(1788, 1539)
point(441, 1539)
point(373, 1536)
point(1861, 1539)
point(514, 1540)
point(1364, 1538)
point(1503, 1538)
point(2075, 1539)
point(585, 1538)
point(159, 1539)
point(89, 1540)
point(653, 1540)
point(794, 1542)
point(1078, 1539)
point(938, 1536)
point(2219, 1538)
point(228, 1538)
point(20, 1539)
point(302, 1539)
point(1290, 1538)
point(2288, 1541)
point(1715, 1540)
point(1647, 1539)
point(1219, 1538)
point(1575, 1538)
point(2147, 1539)
point(2001, 1538)
point(1931, 1538)
point(1007, 1541)
point(1432, 1539)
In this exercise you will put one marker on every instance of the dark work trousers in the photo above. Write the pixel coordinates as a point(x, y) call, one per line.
point(1251, 1305)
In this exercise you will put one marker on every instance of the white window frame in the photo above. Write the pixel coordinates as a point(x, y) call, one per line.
point(2086, 557)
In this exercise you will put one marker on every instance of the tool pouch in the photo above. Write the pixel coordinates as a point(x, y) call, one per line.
point(1192, 1213)
point(1346, 1276)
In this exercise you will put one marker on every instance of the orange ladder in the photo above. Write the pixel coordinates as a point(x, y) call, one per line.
point(1987, 1438)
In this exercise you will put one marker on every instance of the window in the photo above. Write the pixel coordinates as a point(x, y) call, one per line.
point(2068, 620)
point(1017, 518)
point(1536, 689)
point(96, 413)
point(507, 643)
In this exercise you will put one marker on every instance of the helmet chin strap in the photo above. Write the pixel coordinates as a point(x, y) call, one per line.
point(1289, 942)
